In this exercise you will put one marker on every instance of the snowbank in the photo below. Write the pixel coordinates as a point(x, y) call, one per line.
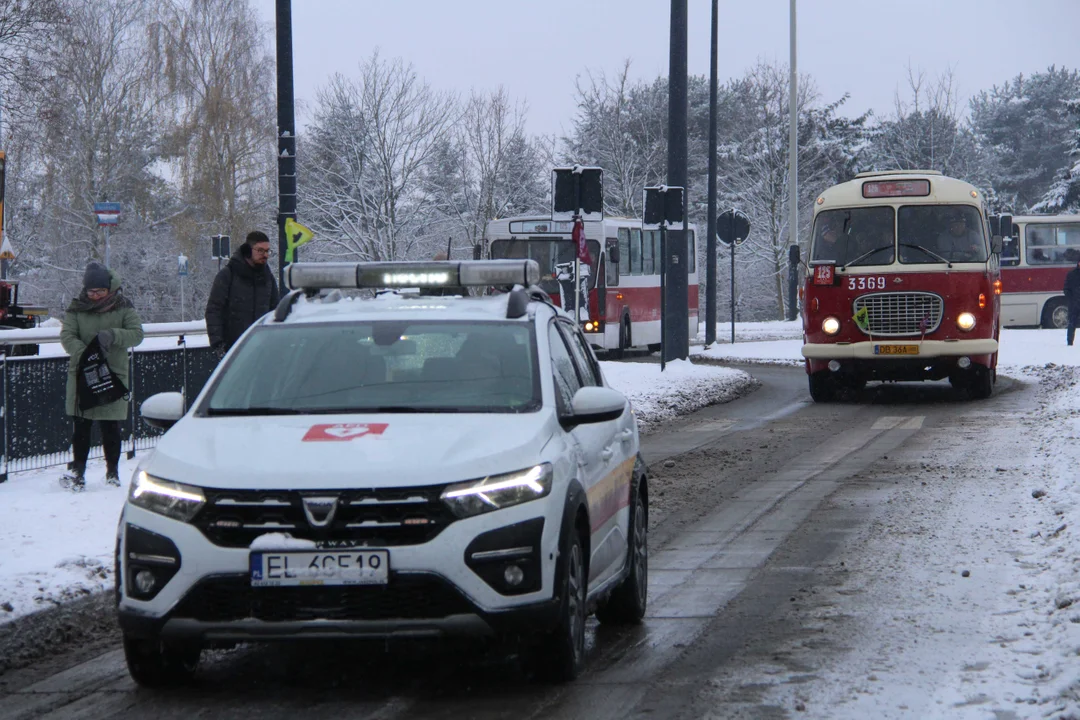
point(680, 389)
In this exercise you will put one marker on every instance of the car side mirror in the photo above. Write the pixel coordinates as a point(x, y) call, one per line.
point(595, 405)
point(162, 410)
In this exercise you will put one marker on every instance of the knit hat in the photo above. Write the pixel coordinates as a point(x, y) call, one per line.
point(96, 276)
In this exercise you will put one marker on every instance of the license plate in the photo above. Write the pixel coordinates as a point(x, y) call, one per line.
point(337, 567)
point(896, 349)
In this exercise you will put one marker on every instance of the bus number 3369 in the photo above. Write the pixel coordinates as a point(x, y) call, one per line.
point(866, 283)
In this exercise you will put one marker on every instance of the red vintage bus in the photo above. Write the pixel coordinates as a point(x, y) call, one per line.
point(622, 307)
point(1034, 262)
point(903, 284)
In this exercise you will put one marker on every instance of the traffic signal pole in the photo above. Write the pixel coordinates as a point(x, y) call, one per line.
point(675, 335)
point(710, 242)
point(286, 133)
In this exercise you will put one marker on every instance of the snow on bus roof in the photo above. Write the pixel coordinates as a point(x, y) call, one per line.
point(1045, 218)
point(943, 189)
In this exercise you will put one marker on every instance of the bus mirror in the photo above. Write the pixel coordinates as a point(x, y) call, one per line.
point(995, 245)
point(476, 252)
point(794, 255)
point(1005, 226)
point(613, 253)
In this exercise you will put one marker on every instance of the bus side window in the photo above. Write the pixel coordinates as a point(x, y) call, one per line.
point(611, 278)
point(691, 250)
point(624, 251)
point(635, 252)
point(658, 254)
point(647, 265)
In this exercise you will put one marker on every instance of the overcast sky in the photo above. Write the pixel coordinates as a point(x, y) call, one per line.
point(536, 48)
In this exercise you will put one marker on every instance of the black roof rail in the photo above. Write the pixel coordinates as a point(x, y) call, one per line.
point(284, 307)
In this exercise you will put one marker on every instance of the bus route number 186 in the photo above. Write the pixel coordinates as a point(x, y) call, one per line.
point(866, 283)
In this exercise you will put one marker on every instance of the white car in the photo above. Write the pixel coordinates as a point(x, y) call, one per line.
point(403, 466)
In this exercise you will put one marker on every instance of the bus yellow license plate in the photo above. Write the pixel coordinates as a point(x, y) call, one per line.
point(896, 349)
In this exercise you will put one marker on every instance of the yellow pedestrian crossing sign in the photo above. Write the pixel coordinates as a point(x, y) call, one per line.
point(295, 236)
point(6, 251)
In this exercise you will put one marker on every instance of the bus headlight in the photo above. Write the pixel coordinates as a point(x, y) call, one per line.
point(965, 321)
point(830, 325)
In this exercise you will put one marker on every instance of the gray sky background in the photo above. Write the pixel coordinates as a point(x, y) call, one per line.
point(536, 48)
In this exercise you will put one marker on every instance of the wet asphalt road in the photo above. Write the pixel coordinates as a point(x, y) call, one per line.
point(734, 537)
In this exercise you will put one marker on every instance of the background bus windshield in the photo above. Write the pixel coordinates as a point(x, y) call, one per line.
point(548, 254)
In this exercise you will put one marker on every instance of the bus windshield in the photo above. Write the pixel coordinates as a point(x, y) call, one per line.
point(936, 233)
point(854, 236)
point(555, 257)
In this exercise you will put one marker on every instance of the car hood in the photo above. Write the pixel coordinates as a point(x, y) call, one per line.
point(354, 451)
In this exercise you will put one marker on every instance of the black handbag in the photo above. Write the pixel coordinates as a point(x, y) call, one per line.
point(95, 382)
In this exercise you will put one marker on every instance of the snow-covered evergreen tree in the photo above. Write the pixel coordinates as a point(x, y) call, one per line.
point(1026, 129)
point(1064, 194)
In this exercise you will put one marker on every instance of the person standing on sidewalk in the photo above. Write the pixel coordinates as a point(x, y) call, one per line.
point(243, 291)
point(102, 312)
point(1072, 296)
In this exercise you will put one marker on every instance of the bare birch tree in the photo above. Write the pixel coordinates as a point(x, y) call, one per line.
point(371, 142)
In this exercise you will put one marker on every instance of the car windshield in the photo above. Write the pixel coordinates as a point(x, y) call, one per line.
point(855, 236)
point(383, 366)
point(939, 233)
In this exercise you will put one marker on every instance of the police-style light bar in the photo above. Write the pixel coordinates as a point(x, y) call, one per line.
point(376, 275)
point(896, 188)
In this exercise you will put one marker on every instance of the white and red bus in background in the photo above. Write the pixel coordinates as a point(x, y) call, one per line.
point(1034, 262)
point(622, 307)
point(903, 285)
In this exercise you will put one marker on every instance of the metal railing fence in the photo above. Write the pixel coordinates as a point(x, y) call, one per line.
point(34, 427)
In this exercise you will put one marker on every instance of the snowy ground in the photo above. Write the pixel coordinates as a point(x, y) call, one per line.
point(58, 546)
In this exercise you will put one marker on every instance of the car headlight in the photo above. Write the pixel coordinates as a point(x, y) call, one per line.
point(496, 492)
point(965, 321)
point(175, 500)
point(830, 326)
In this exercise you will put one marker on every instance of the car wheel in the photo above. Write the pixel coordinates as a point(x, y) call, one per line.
point(1056, 314)
point(627, 603)
point(822, 388)
point(153, 663)
point(561, 656)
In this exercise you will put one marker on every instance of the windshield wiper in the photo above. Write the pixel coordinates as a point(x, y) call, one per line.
point(866, 255)
point(253, 411)
point(931, 253)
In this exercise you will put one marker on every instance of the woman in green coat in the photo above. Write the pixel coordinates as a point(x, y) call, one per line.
point(101, 311)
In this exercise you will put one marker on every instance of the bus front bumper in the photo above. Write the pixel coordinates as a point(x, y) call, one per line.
point(880, 349)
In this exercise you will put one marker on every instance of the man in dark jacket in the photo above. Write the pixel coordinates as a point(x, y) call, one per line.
point(1072, 295)
point(243, 291)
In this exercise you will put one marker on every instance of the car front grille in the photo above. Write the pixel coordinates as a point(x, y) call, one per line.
point(404, 597)
point(384, 517)
point(894, 314)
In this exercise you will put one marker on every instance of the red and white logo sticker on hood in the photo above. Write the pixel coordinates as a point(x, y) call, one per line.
point(343, 432)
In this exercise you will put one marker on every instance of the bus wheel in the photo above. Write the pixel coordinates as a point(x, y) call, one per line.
point(822, 388)
point(1056, 314)
point(980, 383)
